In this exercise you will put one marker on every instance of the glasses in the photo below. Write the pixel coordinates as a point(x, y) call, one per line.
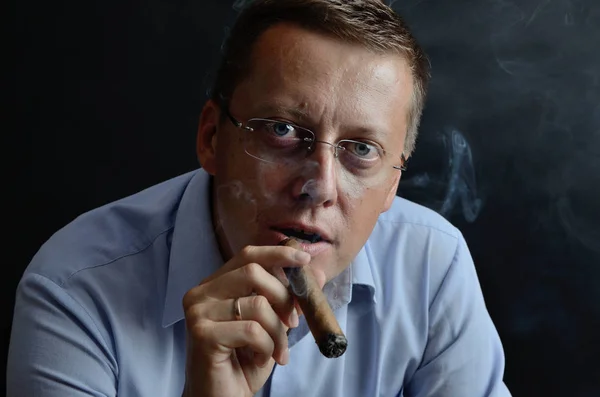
point(276, 141)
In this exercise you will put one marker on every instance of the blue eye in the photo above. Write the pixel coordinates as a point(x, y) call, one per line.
point(362, 150)
point(282, 129)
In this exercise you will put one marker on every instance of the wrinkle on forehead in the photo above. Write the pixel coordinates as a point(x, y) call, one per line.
point(327, 82)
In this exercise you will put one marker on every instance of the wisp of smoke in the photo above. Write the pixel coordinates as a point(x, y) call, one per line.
point(460, 186)
point(236, 190)
point(462, 179)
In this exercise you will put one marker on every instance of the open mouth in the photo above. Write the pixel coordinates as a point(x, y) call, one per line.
point(303, 236)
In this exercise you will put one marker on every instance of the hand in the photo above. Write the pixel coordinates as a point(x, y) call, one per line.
point(232, 358)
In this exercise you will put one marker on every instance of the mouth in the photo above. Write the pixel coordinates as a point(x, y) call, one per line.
point(306, 236)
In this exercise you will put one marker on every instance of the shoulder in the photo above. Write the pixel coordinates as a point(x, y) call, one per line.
point(407, 214)
point(412, 248)
point(414, 227)
point(105, 234)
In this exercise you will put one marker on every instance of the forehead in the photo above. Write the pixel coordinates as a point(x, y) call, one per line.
point(323, 77)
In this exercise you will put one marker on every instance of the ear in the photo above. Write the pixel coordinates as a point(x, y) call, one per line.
point(391, 194)
point(206, 139)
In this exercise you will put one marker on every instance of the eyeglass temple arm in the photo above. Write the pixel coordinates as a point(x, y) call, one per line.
point(235, 122)
point(238, 124)
point(403, 166)
point(224, 104)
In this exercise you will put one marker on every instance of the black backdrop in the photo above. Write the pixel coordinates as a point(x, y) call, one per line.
point(108, 95)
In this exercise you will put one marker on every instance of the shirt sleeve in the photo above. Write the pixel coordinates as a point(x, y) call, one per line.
point(56, 349)
point(464, 354)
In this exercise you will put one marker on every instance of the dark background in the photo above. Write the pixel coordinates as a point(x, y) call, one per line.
point(108, 95)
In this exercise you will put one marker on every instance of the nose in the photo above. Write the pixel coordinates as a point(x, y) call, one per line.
point(316, 184)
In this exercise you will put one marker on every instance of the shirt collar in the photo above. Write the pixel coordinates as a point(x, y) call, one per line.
point(362, 273)
point(195, 252)
point(195, 255)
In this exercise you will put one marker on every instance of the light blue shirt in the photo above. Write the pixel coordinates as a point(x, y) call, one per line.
point(99, 309)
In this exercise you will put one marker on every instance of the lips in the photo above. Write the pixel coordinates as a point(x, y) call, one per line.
point(308, 234)
point(302, 235)
point(275, 236)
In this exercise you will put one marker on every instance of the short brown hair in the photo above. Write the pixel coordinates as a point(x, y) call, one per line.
point(370, 23)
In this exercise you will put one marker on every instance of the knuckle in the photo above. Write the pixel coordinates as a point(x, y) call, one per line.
point(188, 300)
point(247, 251)
point(252, 270)
point(194, 313)
point(259, 303)
point(192, 296)
point(200, 331)
point(252, 329)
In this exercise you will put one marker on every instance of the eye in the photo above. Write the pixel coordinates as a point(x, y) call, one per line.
point(363, 150)
point(282, 129)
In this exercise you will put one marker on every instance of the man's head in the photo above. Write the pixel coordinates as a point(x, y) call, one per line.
point(343, 85)
point(368, 23)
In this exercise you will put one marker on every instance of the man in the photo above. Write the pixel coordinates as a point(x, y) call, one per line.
point(179, 289)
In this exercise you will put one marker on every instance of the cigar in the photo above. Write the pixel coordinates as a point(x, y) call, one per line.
point(320, 318)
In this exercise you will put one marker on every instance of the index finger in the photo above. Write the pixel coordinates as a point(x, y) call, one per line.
point(269, 257)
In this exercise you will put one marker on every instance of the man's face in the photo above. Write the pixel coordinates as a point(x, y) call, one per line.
point(337, 90)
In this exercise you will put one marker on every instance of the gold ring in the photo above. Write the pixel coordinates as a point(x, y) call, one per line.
point(237, 310)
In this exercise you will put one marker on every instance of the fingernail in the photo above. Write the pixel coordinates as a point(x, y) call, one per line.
point(302, 257)
point(294, 319)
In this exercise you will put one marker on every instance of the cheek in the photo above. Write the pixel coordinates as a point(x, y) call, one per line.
point(364, 207)
point(268, 181)
point(229, 153)
point(269, 176)
point(353, 191)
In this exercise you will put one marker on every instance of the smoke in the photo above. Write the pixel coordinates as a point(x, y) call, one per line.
point(239, 5)
point(346, 183)
point(458, 184)
point(309, 188)
point(577, 226)
point(461, 185)
point(264, 190)
point(237, 191)
point(297, 280)
point(421, 180)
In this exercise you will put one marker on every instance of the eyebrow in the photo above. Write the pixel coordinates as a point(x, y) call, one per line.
point(278, 109)
point(363, 131)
